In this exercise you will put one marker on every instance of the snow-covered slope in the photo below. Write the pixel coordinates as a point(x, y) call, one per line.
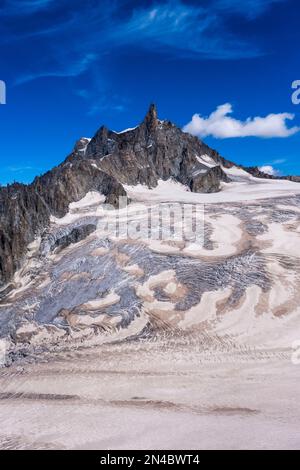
point(239, 283)
point(243, 187)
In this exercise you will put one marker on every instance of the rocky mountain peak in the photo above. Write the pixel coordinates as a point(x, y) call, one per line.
point(147, 154)
point(81, 144)
point(151, 119)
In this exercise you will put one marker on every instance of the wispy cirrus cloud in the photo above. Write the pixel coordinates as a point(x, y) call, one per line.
point(250, 9)
point(174, 27)
point(279, 161)
point(17, 169)
point(221, 125)
point(71, 40)
point(27, 7)
point(75, 68)
point(68, 38)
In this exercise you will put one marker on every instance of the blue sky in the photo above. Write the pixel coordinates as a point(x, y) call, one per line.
point(71, 66)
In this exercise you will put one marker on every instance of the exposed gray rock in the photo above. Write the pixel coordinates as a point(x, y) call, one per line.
point(65, 237)
point(23, 215)
point(25, 209)
point(210, 181)
point(155, 150)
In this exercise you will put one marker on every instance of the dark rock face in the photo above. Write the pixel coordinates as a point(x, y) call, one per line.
point(71, 181)
point(76, 235)
point(155, 150)
point(209, 182)
point(23, 214)
point(25, 209)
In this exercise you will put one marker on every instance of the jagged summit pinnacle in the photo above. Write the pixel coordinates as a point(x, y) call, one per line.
point(152, 111)
point(149, 122)
point(151, 117)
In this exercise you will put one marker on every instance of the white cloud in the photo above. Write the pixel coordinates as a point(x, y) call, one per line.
point(269, 169)
point(222, 126)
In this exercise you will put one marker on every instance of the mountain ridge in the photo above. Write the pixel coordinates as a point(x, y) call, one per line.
point(152, 151)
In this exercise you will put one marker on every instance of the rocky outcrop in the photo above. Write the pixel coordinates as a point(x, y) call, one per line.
point(210, 181)
point(155, 150)
point(71, 181)
point(65, 237)
point(25, 209)
point(257, 173)
point(23, 215)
